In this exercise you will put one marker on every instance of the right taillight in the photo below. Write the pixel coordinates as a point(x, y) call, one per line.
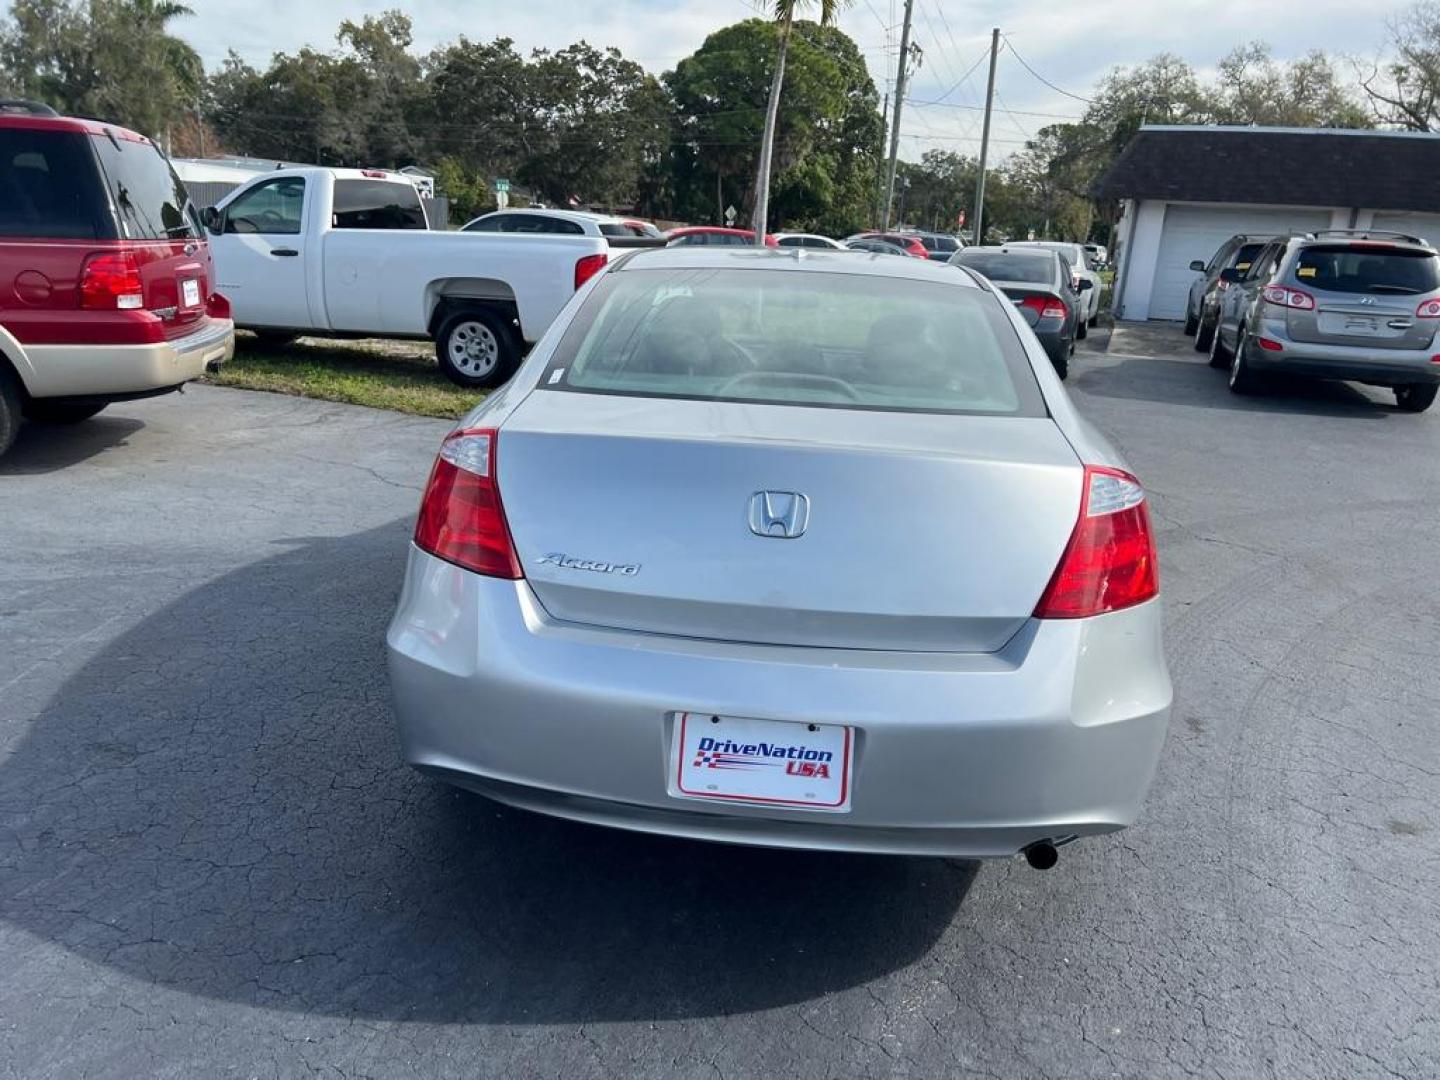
point(1109, 563)
point(110, 281)
point(1428, 309)
point(461, 518)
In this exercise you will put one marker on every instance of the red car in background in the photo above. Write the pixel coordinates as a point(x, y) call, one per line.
point(911, 245)
point(106, 284)
point(714, 235)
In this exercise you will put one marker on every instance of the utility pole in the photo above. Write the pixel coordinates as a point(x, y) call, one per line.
point(985, 139)
point(895, 117)
point(880, 173)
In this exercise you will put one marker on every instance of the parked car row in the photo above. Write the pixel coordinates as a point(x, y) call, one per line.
point(1361, 305)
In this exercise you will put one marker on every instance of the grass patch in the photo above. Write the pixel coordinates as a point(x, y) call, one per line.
point(401, 376)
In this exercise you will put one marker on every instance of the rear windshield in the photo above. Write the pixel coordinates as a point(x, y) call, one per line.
point(1348, 269)
point(149, 198)
point(1245, 255)
point(377, 204)
point(794, 338)
point(1031, 269)
point(50, 187)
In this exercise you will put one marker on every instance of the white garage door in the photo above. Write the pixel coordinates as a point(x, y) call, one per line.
point(1425, 226)
point(1195, 232)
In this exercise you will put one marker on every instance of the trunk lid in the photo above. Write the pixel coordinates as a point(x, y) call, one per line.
point(924, 532)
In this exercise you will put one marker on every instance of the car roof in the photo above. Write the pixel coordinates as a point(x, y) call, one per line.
point(690, 230)
point(1032, 252)
point(540, 211)
point(793, 260)
point(83, 125)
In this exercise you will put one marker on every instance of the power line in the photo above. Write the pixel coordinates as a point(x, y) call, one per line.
point(968, 72)
point(1042, 78)
point(981, 108)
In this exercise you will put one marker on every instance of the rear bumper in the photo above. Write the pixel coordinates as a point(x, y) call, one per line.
point(1386, 367)
point(101, 371)
point(960, 755)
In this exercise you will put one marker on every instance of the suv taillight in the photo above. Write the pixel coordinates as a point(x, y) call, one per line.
point(110, 281)
point(1282, 296)
point(1428, 309)
point(461, 519)
point(1046, 307)
point(1110, 561)
point(588, 266)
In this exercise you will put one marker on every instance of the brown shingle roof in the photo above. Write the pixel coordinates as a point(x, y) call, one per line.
point(1280, 167)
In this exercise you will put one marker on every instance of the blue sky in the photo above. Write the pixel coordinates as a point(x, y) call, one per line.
point(1071, 43)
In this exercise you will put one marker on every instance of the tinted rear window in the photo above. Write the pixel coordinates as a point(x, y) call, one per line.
point(1349, 269)
point(149, 198)
point(1031, 269)
point(792, 338)
point(50, 187)
point(377, 204)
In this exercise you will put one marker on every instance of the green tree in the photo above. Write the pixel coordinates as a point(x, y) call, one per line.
point(114, 59)
point(785, 11)
point(1253, 88)
point(825, 139)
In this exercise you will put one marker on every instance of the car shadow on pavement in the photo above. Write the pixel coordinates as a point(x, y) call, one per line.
point(46, 448)
point(1195, 383)
point(215, 804)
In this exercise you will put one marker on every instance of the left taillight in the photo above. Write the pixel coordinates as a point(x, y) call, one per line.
point(1046, 307)
point(1283, 296)
point(1110, 561)
point(461, 517)
point(587, 266)
point(110, 281)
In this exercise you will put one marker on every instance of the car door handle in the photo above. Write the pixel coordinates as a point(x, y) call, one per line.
point(288, 252)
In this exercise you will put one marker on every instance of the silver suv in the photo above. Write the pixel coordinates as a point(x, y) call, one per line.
point(1337, 304)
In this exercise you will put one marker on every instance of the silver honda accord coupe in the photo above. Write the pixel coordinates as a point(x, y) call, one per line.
point(791, 548)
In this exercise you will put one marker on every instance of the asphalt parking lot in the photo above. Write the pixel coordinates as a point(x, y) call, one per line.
point(212, 863)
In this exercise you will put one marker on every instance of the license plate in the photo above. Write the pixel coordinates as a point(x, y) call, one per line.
point(190, 293)
point(761, 762)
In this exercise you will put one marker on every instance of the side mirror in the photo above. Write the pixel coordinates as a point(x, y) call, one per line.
point(1198, 265)
point(210, 218)
point(1084, 284)
point(1230, 275)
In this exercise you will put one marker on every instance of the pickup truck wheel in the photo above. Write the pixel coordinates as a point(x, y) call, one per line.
point(9, 409)
point(60, 412)
point(476, 347)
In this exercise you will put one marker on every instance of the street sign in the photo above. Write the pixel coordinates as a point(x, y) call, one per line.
point(960, 220)
point(730, 213)
point(502, 186)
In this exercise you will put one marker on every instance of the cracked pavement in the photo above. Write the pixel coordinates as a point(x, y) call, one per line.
point(213, 864)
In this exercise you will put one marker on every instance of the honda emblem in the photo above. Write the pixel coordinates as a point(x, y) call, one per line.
point(780, 515)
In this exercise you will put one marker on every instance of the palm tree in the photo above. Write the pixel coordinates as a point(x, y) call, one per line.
point(785, 12)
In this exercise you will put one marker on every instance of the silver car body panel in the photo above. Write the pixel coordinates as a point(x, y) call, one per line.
point(978, 728)
point(976, 755)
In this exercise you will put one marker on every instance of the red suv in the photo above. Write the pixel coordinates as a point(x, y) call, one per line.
point(105, 275)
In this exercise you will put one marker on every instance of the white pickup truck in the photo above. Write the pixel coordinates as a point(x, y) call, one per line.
point(348, 253)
